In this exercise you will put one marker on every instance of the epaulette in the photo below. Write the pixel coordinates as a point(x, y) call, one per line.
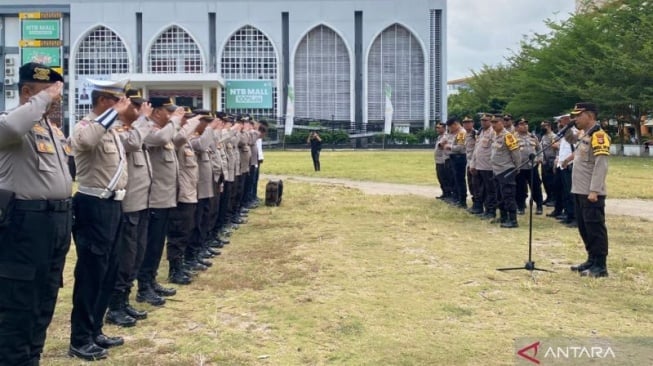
point(511, 141)
point(600, 143)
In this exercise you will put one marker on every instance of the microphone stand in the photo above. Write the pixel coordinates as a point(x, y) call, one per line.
point(530, 264)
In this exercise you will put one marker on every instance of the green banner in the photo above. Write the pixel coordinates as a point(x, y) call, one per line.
point(49, 56)
point(248, 94)
point(41, 29)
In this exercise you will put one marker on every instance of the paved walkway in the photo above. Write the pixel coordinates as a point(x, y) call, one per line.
point(623, 207)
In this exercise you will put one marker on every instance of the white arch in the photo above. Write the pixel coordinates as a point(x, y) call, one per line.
point(267, 36)
point(310, 29)
point(165, 29)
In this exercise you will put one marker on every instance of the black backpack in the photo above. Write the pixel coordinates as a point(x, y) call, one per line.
point(273, 192)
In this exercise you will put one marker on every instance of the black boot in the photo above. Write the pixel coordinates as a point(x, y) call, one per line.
point(163, 291)
point(147, 294)
point(583, 266)
point(598, 269)
point(133, 312)
point(176, 274)
point(116, 313)
point(476, 209)
point(489, 215)
point(191, 264)
point(511, 222)
point(503, 218)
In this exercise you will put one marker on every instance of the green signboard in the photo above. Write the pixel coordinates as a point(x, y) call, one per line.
point(41, 29)
point(50, 56)
point(248, 94)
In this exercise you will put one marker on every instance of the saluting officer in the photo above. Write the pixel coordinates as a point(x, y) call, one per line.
point(135, 126)
point(457, 153)
point(481, 167)
point(165, 169)
point(589, 189)
point(35, 215)
point(102, 177)
point(505, 158)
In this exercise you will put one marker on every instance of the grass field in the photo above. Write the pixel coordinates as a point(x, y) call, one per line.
point(334, 276)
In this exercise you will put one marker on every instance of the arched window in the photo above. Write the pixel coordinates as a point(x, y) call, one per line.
point(322, 76)
point(175, 51)
point(249, 55)
point(99, 55)
point(396, 58)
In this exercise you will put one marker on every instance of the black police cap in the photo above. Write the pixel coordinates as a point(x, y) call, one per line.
point(163, 102)
point(34, 72)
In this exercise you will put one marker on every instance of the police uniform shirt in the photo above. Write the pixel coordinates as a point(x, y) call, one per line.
point(551, 152)
point(470, 143)
point(505, 152)
point(99, 154)
point(233, 153)
point(33, 155)
point(457, 142)
point(164, 164)
point(224, 150)
point(244, 150)
point(528, 144)
point(138, 165)
point(440, 154)
point(591, 164)
point(253, 136)
point(203, 147)
point(188, 170)
point(483, 150)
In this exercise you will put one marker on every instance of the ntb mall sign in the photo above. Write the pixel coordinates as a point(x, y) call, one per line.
point(248, 94)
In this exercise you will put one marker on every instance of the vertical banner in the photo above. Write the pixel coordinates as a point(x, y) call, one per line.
point(389, 110)
point(290, 112)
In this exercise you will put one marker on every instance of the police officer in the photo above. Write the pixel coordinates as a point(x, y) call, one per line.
point(528, 144)
point(165, 169)
point(441, 156)
point(549, 153)
point(589, 190)
point(35, 215)
point(505, 158)
point(220, 174)
point(135, 126)
point(457, 153)
point(102, 177)
point(224, 142)
point(481, 167)
point(508, 123)
point(564, 208)
point(473, 180)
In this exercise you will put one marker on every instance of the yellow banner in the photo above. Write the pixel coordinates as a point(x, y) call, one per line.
point(40, 43)
point(41, 15)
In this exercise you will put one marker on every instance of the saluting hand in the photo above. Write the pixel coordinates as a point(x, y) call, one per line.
point(146, 109)
point(122, 104)
point(54, 91)
point(179, 112)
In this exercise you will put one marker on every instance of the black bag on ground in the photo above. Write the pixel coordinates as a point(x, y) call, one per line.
point(273, 192)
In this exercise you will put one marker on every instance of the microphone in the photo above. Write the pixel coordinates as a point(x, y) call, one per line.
point(564, 130)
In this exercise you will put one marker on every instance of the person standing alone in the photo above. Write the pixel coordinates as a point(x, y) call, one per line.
point(315, 141)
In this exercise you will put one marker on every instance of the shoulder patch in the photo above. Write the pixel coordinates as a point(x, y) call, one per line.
point(38, 129)
point(83, 123)
point(511, 142)
point(600, 143)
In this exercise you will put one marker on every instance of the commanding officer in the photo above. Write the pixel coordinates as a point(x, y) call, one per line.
point(441, 157)
point(588, 186)
point(135, 126)
point(481, 167)
point(167, 119)
point(35, 234)
point(102, 177)
point(505, 158)
point(473, 180)
point(528, 144)
point(456, 147)
point(549, 153)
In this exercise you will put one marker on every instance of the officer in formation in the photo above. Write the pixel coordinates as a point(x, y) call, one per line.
point(528, 177)
point(455, 145)
point(441, 159)
point(473, 180)
point(564, 163)
point(549, 155)
point(35, 215)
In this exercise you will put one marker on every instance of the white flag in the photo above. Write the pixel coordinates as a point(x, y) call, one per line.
point(389, 110)
point(290, 111)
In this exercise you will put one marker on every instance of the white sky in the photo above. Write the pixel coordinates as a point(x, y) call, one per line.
point(484, 31)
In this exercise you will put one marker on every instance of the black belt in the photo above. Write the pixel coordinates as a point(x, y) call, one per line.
point(44, 205)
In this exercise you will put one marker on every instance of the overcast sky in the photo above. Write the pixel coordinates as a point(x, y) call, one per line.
point(484, 31)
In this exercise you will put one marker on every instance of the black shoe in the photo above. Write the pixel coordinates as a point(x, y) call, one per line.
point(561, 217)
point(88, 352)
point(538, 210)
point(475, 210)
point(194, 265)
point(215, 243)
point(488, 216)
point(135, 313)
point(149, 296)
point(238, 221)
point(163, 291)
point(244, 210)
point(243, 214)
point(108, 342)
point(120, 318)
point(550, 204)
point(554, 214)
point(511, 222)
point(570, 223)
point(223, 240)
point(595, 271)
point(583, 266)
point(204, 262)
point(223, 233)
point(178, 277)
point(214, 252)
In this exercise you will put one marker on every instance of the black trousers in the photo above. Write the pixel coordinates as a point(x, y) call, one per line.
point(253, 173)
point(444, 177)
point(225, 211)
point(180, 229)
point(523, 181)
point(489, 190)
point(156, 236)
point(236, 191)
point(475, 187)
point(247, 187)
point(549, 182)
point(591, 224)
point(458, 171)
point(33, 248)
point(565, 199)
point(134, 243)
point(202, 225)
point(97, 237)
point(506, 187)
point(315, 155)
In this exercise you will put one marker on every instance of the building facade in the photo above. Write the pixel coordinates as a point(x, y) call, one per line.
point(337, 56)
